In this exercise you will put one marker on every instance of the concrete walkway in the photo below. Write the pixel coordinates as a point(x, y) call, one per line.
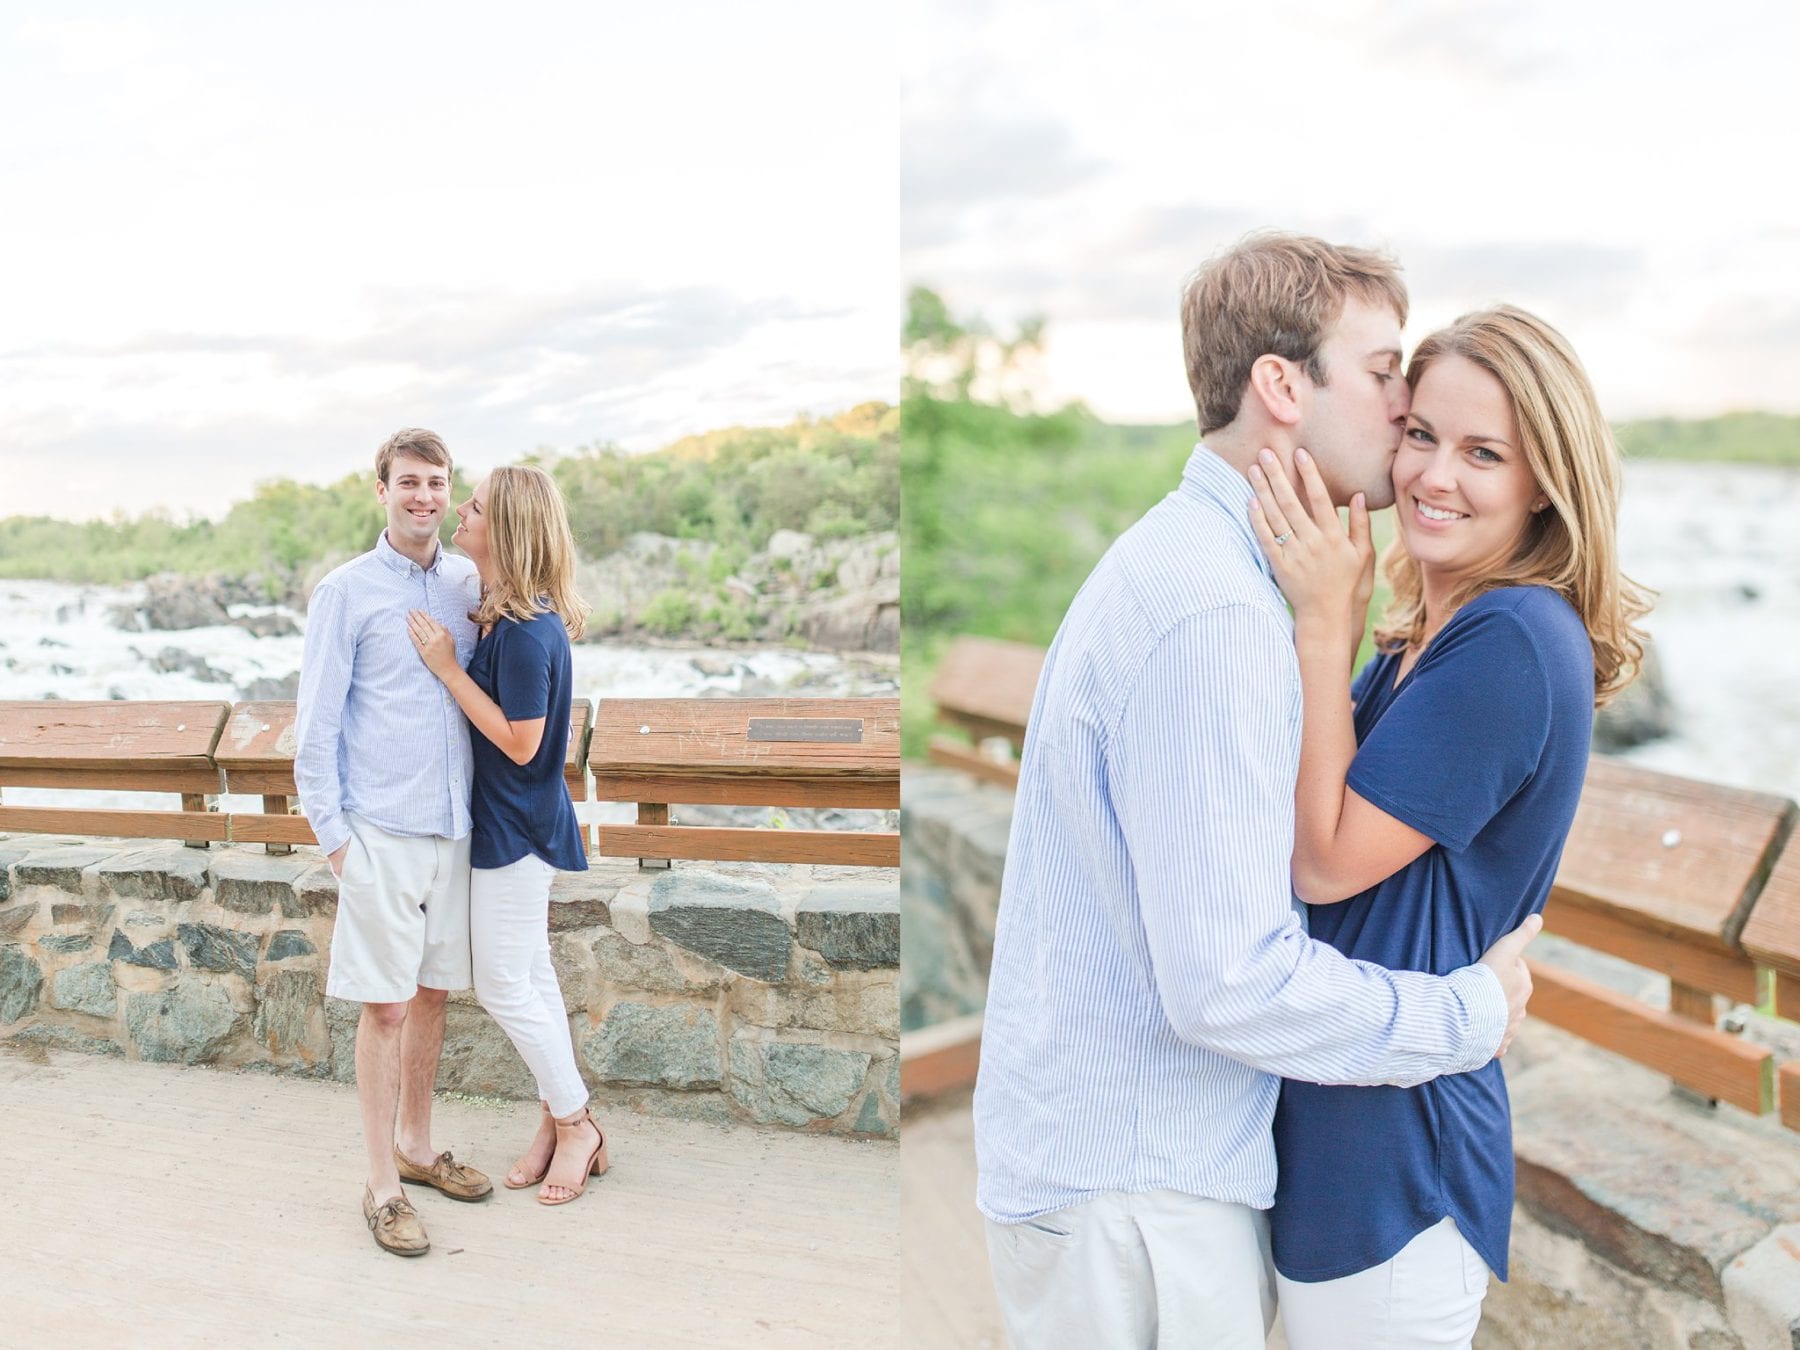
point(149, 1205)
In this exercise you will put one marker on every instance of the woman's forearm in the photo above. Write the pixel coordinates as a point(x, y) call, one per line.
point(1327, 746)
point(518, 743)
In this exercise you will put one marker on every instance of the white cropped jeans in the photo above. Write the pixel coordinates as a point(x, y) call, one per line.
point(509, 932)
point(1427, 1295)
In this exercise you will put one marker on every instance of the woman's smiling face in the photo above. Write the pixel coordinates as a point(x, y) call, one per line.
point(472, 534)
point(1462, 488)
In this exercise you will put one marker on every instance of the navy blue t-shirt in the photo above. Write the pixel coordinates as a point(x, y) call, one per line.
point(525, 808)
point(1483, 747)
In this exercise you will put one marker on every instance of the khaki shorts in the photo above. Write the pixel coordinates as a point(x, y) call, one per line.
point(402, 916)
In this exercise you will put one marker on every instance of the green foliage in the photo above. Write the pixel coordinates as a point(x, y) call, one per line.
point(669, 612)
point(737, 487)
point(281, 529)
point(1739, 437)
point(733, 487)
point(1006, 511)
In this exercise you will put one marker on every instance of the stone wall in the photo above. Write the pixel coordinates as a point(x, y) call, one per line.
point(718, 991)
point(1644, 1218)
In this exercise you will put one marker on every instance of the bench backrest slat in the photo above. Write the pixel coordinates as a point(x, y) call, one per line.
point(985, 685)
point(712, 739)
point(1671, 854)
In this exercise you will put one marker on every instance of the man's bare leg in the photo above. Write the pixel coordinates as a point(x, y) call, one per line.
point(379, 1033)
point(421, 1045)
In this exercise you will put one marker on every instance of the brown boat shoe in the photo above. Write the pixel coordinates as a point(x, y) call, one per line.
point(457, 1180)
point(395, 1224)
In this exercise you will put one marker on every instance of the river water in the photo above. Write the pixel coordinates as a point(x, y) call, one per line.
point(61, 640)
point(1719, 542)
point(1721, 545)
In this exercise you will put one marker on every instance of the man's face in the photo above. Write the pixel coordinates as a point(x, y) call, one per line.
point(416, 496)
point(1353, 422)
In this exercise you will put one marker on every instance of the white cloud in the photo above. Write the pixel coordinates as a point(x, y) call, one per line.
point(1597, 162)
point(297, 228)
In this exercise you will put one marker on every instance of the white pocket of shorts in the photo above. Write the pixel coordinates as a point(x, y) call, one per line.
point(1047, 1230)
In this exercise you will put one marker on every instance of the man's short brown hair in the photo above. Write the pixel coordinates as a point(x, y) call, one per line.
point(415, 442)
point(1272, 293)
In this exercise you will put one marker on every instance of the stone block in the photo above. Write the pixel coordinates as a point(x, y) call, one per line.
point(341, 1018)
point(168, 872)
point(581, 900)
point(14, 920)
point(59, 867)
point(573, 961)
point(853, 927)
point(857, 1003)
point(285, 1008)
point(675, 1046)
point(1667, 1191)
point(156, 955)
point(66, 942)
point(21, 979)
point(650, 967)
point(1560, 1294)
point(11, 853)
point(479, 1058)
point(63, 1038)
point(90, 915)
point(880, 1113)
point(941, 979)
point(734, 923)
point(794, 1083)
point(1762, 1292)
point(190, 1024)
point(315, 893)
point(210, 947)
point(145, 918)
point(289, 942)
point(256, 883)
point(85, 989)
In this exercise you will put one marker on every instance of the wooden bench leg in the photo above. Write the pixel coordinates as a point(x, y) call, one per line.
point(653, 813)
point(277, 806)
point(1693, 1005)
point(200, 802)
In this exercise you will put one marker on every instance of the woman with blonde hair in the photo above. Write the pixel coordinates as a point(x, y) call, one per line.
point(516, 694)
point(1436, 792)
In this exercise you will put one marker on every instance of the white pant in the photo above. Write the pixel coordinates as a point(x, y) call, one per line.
point(509, 929)
point(1428, 1294)
point(1133, 1271)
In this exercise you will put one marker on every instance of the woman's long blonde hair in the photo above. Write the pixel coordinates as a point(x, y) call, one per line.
point(1572, 545)
point(531, 553)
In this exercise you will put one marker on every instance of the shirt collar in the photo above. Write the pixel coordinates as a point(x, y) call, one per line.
point(1213, 483)
point(392, 558)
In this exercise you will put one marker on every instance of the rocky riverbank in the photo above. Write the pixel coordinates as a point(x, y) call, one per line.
point(840, 595)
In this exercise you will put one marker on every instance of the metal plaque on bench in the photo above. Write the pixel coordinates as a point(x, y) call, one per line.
point(837, 730)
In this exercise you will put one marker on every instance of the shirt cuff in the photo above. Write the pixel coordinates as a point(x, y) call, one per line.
point(1485, 1002)
point(332, 833)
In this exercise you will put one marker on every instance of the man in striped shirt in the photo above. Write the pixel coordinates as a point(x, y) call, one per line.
point(383, 767)
point(1152, 977)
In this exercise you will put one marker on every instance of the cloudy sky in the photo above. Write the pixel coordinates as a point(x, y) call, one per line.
point(1623, 167)
point(241, 241)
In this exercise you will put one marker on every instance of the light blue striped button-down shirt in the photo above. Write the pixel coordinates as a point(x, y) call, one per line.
point(1152, 972)
point(376, 732)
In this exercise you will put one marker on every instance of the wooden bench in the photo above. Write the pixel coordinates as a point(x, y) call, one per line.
point(119, 747)
point(1772, 937)
point(983, 689)
point(200, 750)
point(747, 752)
point(1664, 872)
